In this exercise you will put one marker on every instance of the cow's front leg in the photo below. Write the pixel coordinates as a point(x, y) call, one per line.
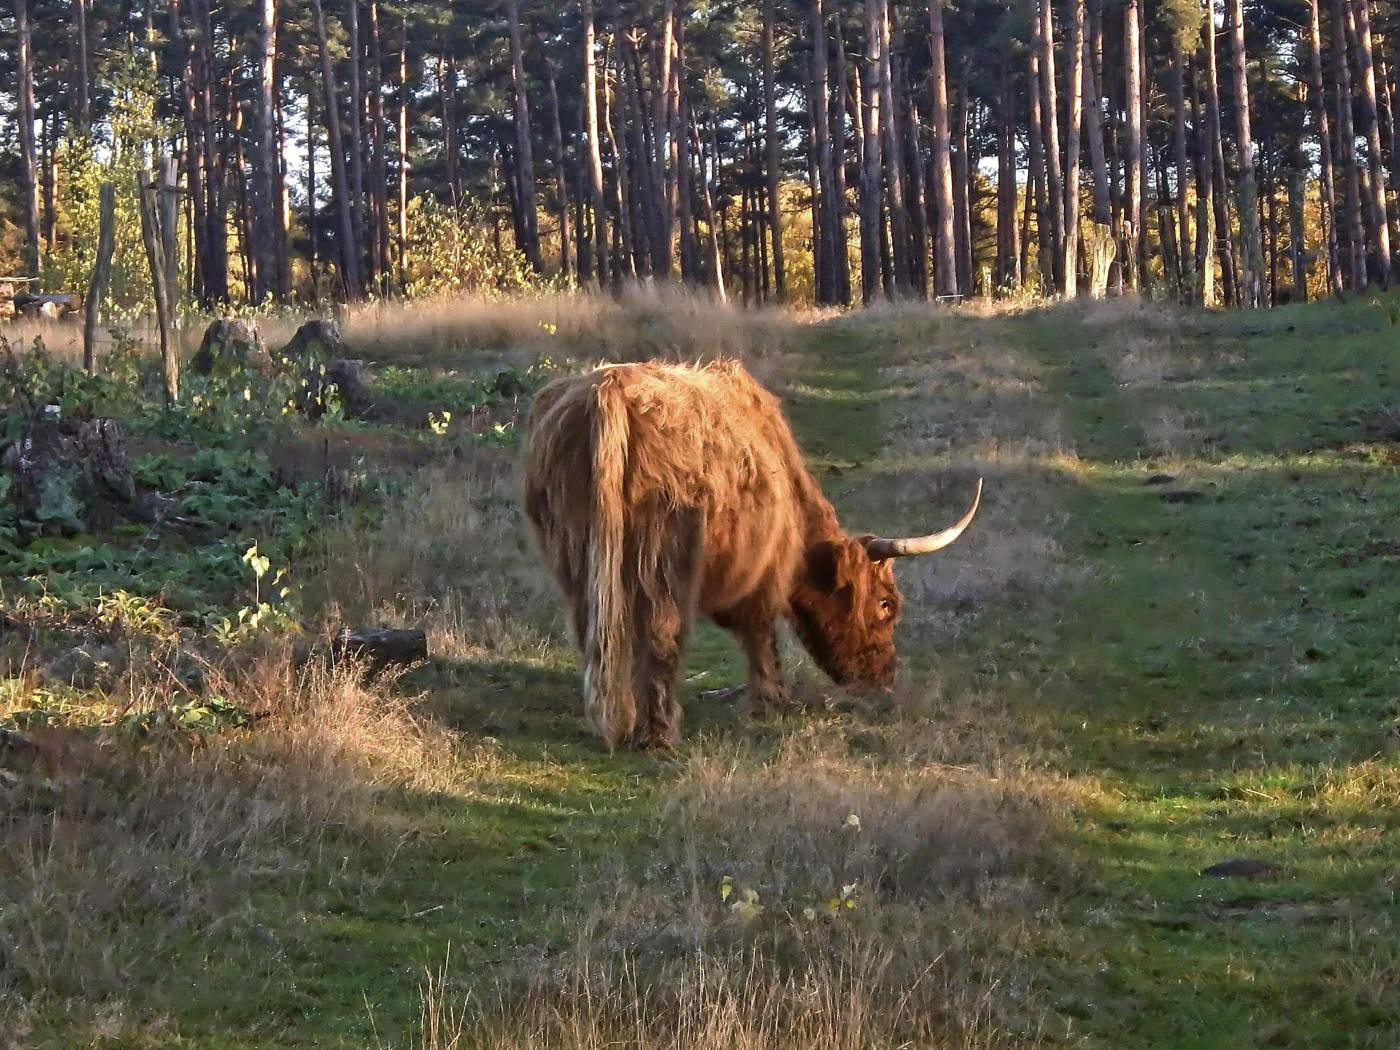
point(757, 633)
point(767, 689)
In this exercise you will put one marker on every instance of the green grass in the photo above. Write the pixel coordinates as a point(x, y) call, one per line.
point(1212, 678)
point(1229, 679)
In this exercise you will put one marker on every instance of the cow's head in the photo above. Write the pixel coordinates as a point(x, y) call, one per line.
point(846, 603)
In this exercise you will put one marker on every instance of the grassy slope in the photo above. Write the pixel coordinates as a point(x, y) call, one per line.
point(1232, 680)
point(1223, 685)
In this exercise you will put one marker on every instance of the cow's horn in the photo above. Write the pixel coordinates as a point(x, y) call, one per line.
point(879, 549)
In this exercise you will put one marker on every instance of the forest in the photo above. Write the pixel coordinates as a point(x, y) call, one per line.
point(827, 151)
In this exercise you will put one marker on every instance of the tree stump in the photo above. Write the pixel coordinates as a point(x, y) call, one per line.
point(317, 340)
point(344, 380)
point(230, 345)
point(71, 476)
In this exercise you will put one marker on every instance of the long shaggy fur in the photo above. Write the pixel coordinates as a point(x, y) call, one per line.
point(659, 491)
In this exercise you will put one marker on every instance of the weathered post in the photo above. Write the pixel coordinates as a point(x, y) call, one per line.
point(101, 272)
point(154, 240)
point(169, 196)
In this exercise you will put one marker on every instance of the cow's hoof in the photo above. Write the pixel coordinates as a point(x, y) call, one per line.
point(659, 741)
point(766, 708)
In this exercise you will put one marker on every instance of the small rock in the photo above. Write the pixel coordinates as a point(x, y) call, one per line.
point(231, 344)
point(1241, 868)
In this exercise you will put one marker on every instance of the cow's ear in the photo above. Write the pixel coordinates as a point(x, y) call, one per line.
point(823, 560)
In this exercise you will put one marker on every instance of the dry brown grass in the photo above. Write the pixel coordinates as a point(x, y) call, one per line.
point(110, 832)
point(642, 322)
point(878, 896)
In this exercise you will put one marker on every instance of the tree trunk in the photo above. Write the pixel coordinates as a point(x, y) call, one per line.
point(656, 129)
point(824, 245)
point(945, 270)
point(82, 77)
point(364, 261)
point(349, 255)
point(773, 155)
point(1130, 252)
point(1093, 128)
point(717, 231)
point(1346, 152)
point(1044, 42)
point(1183, 173)
point(561, 195)
point(893, 163)
point(1205, 200)
point(151, 235)
point(1074, 110)
point(916, 203)
point(1377, 178)
point(624, 228)
point(266, 234)
point(404, 159)
point(1008, 276)
point(313, 229)
point(102, 270)
point(24, 116)
point(1250, 247)
point(962, 186)
point(194, 151)
point(1035, 176)
point(836, 216)
point(1322, 128)
point(1297, 196)
point(379, 134)
point(1224, 244)
point(214, 265)
point(594, 159)
point(871, 210)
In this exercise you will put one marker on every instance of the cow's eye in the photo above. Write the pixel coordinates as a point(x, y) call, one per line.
point(886, 605)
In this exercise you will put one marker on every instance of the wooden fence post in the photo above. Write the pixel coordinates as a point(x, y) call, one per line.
point(154, 239)
point(169, 230)
point(101, 272)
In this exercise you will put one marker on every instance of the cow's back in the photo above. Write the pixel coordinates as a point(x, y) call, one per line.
point(707, 440)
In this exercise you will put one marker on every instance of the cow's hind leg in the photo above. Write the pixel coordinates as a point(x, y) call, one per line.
point(664, 612)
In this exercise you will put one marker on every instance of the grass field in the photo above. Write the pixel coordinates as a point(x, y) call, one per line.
point(1168, 642)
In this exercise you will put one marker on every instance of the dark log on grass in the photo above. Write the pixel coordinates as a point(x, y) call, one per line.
point(381, 647)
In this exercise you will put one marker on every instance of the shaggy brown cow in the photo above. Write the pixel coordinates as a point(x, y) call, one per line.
point(656, 491)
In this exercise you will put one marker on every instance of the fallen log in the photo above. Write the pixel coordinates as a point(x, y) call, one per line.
point(381, 647)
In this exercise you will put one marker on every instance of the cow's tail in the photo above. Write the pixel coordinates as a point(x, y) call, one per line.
point(607, 676)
